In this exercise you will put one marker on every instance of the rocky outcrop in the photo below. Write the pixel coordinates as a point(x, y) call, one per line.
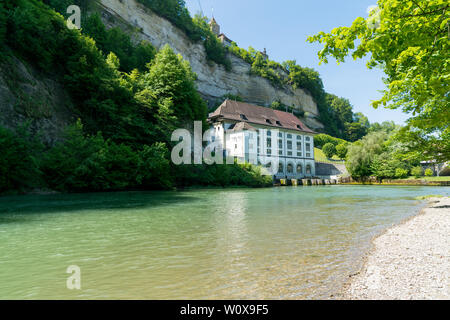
point(213, 80)
point(28, 96)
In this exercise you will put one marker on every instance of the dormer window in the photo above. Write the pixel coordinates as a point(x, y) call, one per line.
point(268, 121)
point(298, 127)
point(243, 117)
point(279, 123)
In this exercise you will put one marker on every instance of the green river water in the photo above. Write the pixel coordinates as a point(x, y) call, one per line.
point(278, 243)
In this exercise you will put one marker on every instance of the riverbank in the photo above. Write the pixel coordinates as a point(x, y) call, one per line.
point(408, 261)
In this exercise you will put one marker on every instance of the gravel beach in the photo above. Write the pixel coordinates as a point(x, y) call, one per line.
point(408, 261)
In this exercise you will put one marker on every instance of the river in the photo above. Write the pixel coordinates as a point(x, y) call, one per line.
point(276, 243)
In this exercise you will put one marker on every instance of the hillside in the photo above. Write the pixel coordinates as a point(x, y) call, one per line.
point(214, 81)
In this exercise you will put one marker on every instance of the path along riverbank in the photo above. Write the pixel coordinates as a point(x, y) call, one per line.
point(408, 261)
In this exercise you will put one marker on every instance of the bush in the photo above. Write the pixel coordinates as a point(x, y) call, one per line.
point(341, 150)
point(429, 172)
point(321, 139)
point(417, 171)
point(19, 168)
point(329, 150)
point(401, 173)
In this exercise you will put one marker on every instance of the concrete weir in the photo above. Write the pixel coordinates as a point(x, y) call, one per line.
point(306, 182)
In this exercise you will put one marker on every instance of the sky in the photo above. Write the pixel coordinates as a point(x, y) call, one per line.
point(283, 26)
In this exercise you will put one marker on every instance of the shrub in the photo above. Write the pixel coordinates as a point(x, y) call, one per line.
point(429, 172)
point(341, 150)
point(417, 171)
point(321, 139)
point(401, 173)
point(329, 150)
point(19, 168)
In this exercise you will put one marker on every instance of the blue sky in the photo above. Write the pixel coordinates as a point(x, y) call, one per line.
point(282, 27)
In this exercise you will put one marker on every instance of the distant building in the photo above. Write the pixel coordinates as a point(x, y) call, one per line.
point(264, 54)
point(247, 130)
point(215, 28)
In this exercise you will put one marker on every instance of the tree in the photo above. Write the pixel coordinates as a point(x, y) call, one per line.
point(19, 167)
point(171, 82)
point(355, 131)
point(362, 154)
point(429, 172)
point(409, 40)
point(329, 150)
point(417, 171)
point(341, 150)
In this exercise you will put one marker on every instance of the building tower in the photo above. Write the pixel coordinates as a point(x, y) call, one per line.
point(215, 28)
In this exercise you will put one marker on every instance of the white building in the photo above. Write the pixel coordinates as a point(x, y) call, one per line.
point(263, 136)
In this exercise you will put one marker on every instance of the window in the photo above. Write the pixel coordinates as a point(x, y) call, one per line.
point(299, 168)
point(235, 146)
point(280, 168)
point(308, 155)
point(308, 147)
point(299, 127)
point(280, 134)
point(299, 138)
point(299, 146)
point(289, 145)
point(280, 144)
point(308, 169)
point(280, 152)
point(268, 121)
point(269, 133)
point(269, 143)
point(289, 136)
point(259, 144)
point(243, 117)
point(308, 138)
point(269, 152)
point(289, 153)
point(279, 123)
point(290, 168)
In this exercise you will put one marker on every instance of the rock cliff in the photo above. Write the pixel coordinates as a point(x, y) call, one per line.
point(213, 80)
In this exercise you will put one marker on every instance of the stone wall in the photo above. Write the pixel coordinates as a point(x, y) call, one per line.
point(330, 169)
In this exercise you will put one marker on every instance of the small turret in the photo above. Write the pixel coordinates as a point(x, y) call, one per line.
point(215, 28)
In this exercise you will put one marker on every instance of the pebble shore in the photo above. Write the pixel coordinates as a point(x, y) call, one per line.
point(408, 261)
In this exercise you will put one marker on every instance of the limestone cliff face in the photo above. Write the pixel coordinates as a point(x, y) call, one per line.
point(213, 80)
point(29, 96)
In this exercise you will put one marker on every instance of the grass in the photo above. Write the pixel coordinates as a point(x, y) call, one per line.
point(444, 178)
point(320, 156)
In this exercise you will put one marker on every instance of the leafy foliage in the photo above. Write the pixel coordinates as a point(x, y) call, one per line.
point(429, 172)
point(417, 171)
point(321, 139)
point(19, 167)
point(329, 150)
point(341, 150)
point(409, 41)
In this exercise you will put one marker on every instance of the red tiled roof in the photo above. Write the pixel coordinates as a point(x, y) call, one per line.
point(244, 112)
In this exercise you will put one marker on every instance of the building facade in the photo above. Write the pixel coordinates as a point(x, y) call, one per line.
point(265, 137)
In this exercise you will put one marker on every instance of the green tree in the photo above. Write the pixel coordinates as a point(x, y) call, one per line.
point(409, 40)
point(341, 150)
point(171, 80)
point(329, 150)
point(355, 131)
point(429, 172)
point(19, 166)
point(361, 154)
point(417, 171)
